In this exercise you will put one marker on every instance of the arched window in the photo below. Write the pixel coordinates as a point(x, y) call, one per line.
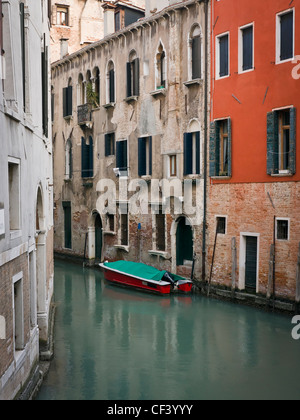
point(110, 83)
point(81, 95)
point(133, 75)
point(195, 53)
point(69, 159)
point(161, 67)
point(96, 83)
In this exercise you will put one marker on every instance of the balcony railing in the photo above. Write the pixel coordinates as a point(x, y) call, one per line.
point(84, 114)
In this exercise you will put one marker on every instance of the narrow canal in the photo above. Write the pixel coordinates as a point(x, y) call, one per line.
point(114, 344)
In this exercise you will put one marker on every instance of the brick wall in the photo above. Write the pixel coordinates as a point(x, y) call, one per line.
point(249, 210)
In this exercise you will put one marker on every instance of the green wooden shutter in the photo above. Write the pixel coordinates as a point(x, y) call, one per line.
point(91, 158)
point(214, 149)
point(65, 101)
point(292, 163)
point(70, 101)
point(272, 143)
point(142, 156)
point(129, 87)
point(198, 169)
point(150, 156)
point(229, 147)
point(136, 69)
point(188, 153)
point(112, 86)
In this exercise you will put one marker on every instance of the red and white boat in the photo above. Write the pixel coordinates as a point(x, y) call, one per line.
point(145, 278)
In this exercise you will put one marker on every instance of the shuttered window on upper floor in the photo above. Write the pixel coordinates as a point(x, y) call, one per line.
point(192, 153)
point(133, 78)
point(220, 148)
point(67, 101)
point(87, 157)
point(109, 144)
point(286, 22)
point(281, 142)
point(122, 157)
point(145, 156)
point(223, 55)
point(247, 35)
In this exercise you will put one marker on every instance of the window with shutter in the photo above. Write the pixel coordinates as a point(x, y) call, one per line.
point(287, 36)
point(87, 158)
point(112, 86)
point(109, 144)
point(67, 101)
point(247, 40)
point(145, 156)
point(223, 55)
point(22, 25)
point(196, 55)
point(133, 76)
point(281, 142)
point(122, 157)
point(45, 108)
point(192, 153)
point(220, 149)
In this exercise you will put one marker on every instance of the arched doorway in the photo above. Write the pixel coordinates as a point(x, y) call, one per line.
point(98, 238)
point(184, 242)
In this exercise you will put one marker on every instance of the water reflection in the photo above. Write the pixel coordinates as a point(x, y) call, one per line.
point(112, 343)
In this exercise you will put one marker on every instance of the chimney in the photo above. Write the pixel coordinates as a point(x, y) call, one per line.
point(109, 19)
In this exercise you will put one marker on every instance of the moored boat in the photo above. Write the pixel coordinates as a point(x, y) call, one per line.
point(145, 277)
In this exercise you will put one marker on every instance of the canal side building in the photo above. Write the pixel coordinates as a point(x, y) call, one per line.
point(77, 23)
point(254, 194)
point(26, 205)
point(130, 115)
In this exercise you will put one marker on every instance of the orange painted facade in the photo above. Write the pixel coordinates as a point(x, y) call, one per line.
point(248, 97)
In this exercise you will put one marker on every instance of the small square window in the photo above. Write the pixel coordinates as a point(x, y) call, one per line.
point(221, 225)
point(283, 227)
point(62, 18)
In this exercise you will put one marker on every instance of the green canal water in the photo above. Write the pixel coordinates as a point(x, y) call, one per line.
point(115, 344)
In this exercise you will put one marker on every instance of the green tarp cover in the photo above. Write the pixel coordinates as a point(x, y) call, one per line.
point(139, 270)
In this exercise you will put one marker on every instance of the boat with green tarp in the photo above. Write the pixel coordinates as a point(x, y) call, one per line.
point(144, 277)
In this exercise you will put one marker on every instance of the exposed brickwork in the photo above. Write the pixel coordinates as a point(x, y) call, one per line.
point(249, 210)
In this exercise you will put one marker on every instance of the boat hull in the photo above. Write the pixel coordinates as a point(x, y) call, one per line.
point(158, 287)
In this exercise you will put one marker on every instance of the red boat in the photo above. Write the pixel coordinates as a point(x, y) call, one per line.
point(144, 277)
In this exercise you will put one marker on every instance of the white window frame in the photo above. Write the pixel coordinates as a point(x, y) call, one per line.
point(18, 278)
point(289, 228)
point(241, 48)
point(278, 37)
point(217, 70)
point(16, 233)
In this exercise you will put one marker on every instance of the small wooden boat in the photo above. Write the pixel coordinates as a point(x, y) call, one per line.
point(145, 277)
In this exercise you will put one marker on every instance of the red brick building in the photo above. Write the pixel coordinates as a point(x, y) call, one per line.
point(254, 156)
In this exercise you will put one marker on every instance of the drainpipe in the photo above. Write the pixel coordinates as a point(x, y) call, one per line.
point(205, 141)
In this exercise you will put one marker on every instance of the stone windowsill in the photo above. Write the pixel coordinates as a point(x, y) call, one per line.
point(109, 105)
point(133, 98)
point(123, 248)
point(158, 92)
point(162, 254)
point(193, 82)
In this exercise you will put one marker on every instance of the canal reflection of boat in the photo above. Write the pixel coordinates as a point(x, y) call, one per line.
point(144, 277)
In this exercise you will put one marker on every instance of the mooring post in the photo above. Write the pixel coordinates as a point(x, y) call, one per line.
point(271, 273)
point(298, 282)
point(234, 266)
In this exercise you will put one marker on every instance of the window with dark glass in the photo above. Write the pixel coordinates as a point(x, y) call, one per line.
point(287, 36)
point(109, 144)
point(192, 153)
point(247, 35)
point(133, 77)
point(160, 232)
point(124, 229)
point(224, 55)
point(283, 230)
point(87, 158)
point(220, 148)
point(145, 156)
point(122, 158)
point(281, 142)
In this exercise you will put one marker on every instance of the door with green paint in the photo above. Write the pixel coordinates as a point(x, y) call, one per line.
point(98, 238)
point(251, 262)
point(184, 242)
